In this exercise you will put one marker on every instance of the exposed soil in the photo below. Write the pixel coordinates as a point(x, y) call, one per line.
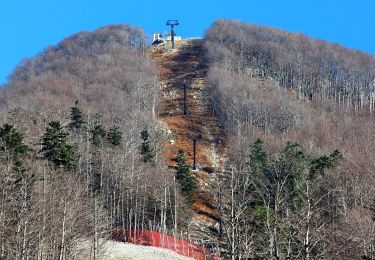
point(187, 64)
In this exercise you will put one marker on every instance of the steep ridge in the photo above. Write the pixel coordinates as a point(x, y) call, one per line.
point(186, 64)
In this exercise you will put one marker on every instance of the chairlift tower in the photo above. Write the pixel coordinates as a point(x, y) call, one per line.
point(196, 138)
point(172, 24)
point(185, 87)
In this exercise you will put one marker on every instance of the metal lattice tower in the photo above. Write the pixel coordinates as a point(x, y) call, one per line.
point(172, 24)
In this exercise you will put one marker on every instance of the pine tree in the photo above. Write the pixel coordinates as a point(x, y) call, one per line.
point(258, 169)
point(258, 159)
point(77, 123)
point(186, 180)
point(290, 166)
point(114, 136)
point(320, 164)
point(97, 132)
point(146, 150)
point(12, 145)
point(12, 141)
point(55, 147)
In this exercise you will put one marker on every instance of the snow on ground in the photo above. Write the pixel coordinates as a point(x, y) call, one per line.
point(125, 251)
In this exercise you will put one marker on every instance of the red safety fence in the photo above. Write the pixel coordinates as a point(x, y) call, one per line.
point(153, 238)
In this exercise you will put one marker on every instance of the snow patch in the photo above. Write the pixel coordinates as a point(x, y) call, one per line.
point(114, 250)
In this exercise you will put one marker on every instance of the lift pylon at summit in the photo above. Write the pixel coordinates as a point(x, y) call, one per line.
point(172, 24)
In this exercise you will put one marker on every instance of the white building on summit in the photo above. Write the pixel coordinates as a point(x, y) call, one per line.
point(158, 38)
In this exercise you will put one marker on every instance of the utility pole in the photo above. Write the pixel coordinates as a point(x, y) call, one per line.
point(185, 98)
point(195, 151)
point(172, 24)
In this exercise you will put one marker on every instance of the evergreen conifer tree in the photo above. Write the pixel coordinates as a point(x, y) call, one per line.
point(12, 141)
point(97, 132)
point(77, 122)
point(114, 136)
point(258, 159)
point(12, 145)
point(258, 169)
point(55, 147)
point(320, 164)
point(146, 150)
point(186, 180)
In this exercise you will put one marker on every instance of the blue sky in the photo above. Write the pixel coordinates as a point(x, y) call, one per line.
point(29, 26)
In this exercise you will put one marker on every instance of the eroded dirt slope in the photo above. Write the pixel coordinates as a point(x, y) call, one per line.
point(186, 64)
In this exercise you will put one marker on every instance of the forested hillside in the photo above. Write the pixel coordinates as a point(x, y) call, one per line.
point(96, 143)
point(80, 147)
point(313, 68)
point(298, 115)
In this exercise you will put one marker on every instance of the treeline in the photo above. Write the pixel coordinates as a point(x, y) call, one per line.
point(107, 70)
point(279, 206)
point(80, 181)
point(306, 190)
point(72, 173)
point(312, 68)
